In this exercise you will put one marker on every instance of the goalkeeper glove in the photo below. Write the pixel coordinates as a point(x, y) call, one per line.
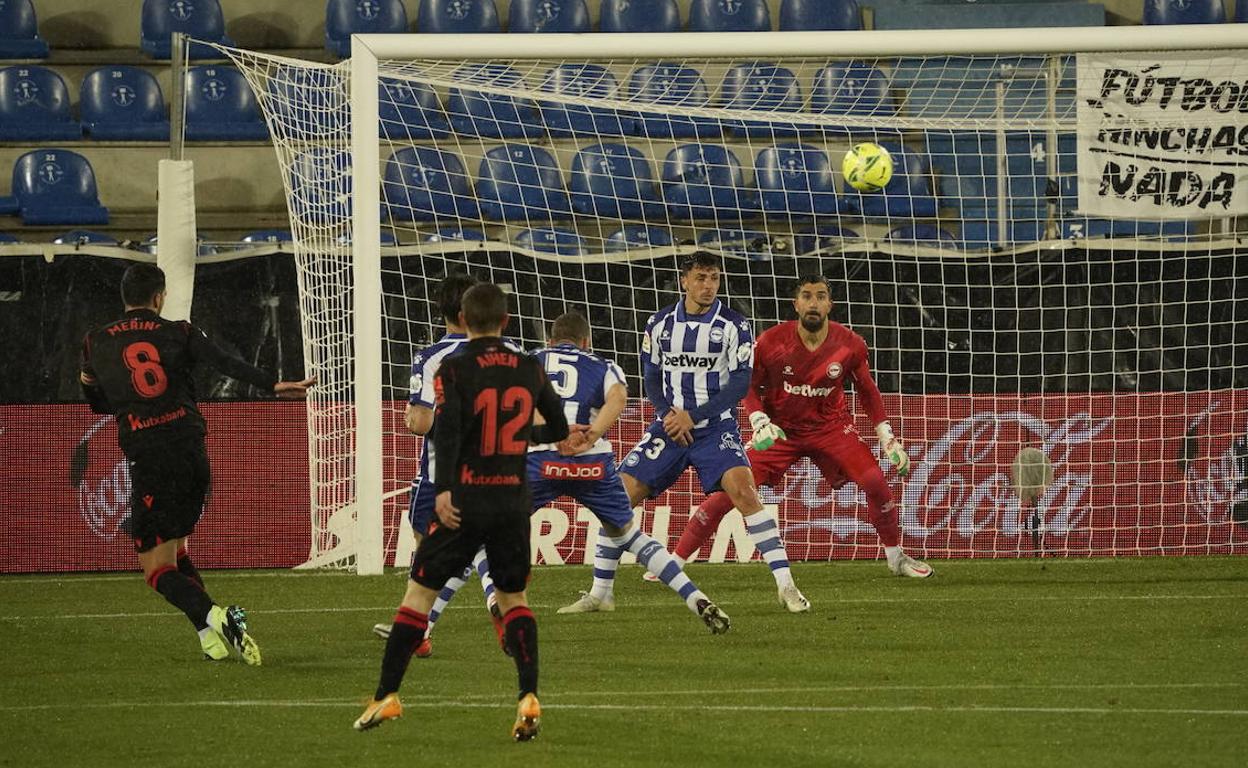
point(765, 433)
point(891, 447)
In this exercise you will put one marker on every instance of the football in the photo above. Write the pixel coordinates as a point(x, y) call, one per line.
point(867, 167)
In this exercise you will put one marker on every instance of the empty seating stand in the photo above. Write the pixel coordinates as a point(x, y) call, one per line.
point(553, 240)
point(585, 81)
point(670, 85)
point(520, 182)
point(797, 15)
point(34, 106)
point(705, 181)
point(614, 181)
point(408, 110)
point(478, 113)
point(795, 180)
point(201, 19)
point(56, 186)
point(637, 236)
point(220, 106)
point(344, 18)
point(761, 87)
point(123, 104)
point(638, 16)
point(19, 31)
point(425, 184)
point(1185, 11)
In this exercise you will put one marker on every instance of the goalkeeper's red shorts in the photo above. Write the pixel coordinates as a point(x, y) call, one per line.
point(838, 452)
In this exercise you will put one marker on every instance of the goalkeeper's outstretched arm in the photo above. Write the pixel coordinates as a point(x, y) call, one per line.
point(873, 402)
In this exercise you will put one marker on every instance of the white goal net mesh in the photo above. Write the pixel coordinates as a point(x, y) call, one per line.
point(1002, 312)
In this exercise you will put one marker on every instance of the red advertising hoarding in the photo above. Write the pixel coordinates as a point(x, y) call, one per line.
point(1134, 474)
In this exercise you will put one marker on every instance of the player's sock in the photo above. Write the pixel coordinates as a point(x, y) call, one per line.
point(884, 518)
point(606, 560)
point(702, 524)
point(452, 586)
point(766, 537)
point(183, 594)
point(520, 628)
point(651, 554)
point(482, 566)
point(892, 555)
point(188, 569)
point(409, 630)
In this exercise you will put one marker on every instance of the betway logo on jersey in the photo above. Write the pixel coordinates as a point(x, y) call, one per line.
point(805, 390)
point(554, 470)
point(687, 360)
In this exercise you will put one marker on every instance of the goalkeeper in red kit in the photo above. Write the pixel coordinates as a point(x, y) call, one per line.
point(797, 408)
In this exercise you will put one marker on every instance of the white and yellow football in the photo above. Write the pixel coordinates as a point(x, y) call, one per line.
point(867, 167)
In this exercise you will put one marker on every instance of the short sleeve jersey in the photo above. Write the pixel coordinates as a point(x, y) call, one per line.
point(582, 379)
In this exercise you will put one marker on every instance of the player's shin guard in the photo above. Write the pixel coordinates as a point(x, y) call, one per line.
point(409, 629)
point(651, 554)
point(607, 555)
point(183, 594)
point(703, 523)
point(188, 569)
point(766, 537)
point(445, 595)
point(520, 630)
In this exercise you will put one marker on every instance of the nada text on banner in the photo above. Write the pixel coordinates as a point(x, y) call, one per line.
point(1163, 135)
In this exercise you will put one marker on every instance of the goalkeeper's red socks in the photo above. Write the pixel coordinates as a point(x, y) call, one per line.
point(182, 593)
point(405, 636)
point(703, 523)
point(520, 632)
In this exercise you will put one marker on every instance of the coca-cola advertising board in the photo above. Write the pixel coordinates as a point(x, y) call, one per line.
point(1132, 474)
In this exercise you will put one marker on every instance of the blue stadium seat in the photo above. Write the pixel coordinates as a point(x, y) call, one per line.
point(463, 16)
point(852, 88)
point(454, 234)
point(56, 186)
point(5, 237)
point(19, 31)
point(1078, 228)
point(202, 247)
point(796, 15)
point(614, 181)
point(729, 16)
point(346, 17)
point(221, 107)
point(489, 115)
point(408, 110)
point(922, 234)
point(966, 165)
point(822, 237)
point(561, 242)
point(320, 187)
point(639, 16)
point(548, 16)
point(669, 84)
point(200, 19)
point(750, 243)
point(908, 194)
point(705, 181)
point(521, 182)
point(1241, 13)
point(1022, 226)
point(123, 104)
point(424, 184)
point(637, 236)
point(308, 103)
point(761, 87)
point(585, 80)
point(34, 106)
point(795, 180)
point(1184, 11)
point(268, 236)
point(965, 86)
point(83, 237)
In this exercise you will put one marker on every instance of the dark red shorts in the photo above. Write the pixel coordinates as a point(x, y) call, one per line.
point(838, 452)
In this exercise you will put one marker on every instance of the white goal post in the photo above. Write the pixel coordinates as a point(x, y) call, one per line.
point(355, 232)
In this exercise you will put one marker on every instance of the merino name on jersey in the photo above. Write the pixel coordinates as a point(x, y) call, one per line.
point(803, 390)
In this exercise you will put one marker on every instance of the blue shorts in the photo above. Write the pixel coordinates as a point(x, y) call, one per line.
point(657, 461)
point(591, 480)
point(420, 505)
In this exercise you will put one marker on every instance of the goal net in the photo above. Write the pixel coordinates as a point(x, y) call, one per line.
point(1052, 265)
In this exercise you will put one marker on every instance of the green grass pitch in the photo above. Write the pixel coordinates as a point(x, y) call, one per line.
point(1130, 662)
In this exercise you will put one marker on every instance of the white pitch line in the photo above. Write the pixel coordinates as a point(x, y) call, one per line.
point(386, 609)
point(804, 709)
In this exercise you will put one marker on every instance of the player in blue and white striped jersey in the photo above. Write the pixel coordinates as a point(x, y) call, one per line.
point(594, 393)
point(697, 357)
point(418, 417)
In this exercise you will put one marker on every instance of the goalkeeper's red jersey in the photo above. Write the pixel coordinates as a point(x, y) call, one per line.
point(804, 391)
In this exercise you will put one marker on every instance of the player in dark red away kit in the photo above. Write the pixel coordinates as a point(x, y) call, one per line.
point(798, 409)
point(485, 396)
point(139, 369)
